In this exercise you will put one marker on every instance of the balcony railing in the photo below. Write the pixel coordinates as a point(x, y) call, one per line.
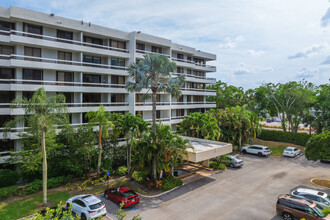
point(192, 103)
point(147, 51)
point(198, 90)
point(177, 117)
point(69, 62)
point(158, 119)
point(85, 104)
point(194, 76)
point(150, 103)
point(60, 83)
point(192, 62)
point(62, 40)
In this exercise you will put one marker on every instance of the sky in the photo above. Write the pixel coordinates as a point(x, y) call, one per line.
point(256, 41)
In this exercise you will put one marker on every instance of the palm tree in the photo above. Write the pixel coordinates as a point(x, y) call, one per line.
point(101, 119)
point(42, 113)
point(154, 73)
point(132, 127)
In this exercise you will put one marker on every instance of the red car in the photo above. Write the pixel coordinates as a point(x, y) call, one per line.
point(122, 194)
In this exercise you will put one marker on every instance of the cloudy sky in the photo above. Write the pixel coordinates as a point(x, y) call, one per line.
point(256, 41)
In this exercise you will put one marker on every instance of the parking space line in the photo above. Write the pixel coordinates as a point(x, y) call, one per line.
point(112, 215)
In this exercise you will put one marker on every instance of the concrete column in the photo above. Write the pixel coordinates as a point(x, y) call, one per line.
point(206, 163)
point(132, 57)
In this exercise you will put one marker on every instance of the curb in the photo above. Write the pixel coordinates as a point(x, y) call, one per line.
point(163, 193)
point(323, 187)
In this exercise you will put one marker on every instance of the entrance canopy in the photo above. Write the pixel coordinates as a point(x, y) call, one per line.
point(203, 150)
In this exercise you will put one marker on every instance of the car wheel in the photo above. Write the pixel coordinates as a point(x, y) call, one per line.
point(231, 165)
point(83, 217)
point(106, 196)
point(244, 151)
point(287, 216)
point(259, 154)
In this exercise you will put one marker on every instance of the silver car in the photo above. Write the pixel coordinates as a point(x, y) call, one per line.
point(235, 162)
point(321, 198)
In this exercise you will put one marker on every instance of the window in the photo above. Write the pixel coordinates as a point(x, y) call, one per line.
point(155, 49)
point(189, 71)
point(7, 50)
point(117, 44)
point(188, 98)
point(96, 206)
point(189, 58)
point(7, 97)
point(91, 59)
point(158, 98)
point(139, 113)
point(93, 40)
point(64, 76)
point(31, 74)
point(79, 202)
point(158, 114)
point(65, 35)
point(180, 112)
point(117, 62)
point(32, 52)
point(6, 73)
point(91, 97)
point(64, 56)
point(7, 26)
point(33, 29)
point(138, 98)
point(198, 98)
point(8, 145)
point(27, 94)
point(140, 46)
point(179, 70)
point(117, 97)
point(89, 78)
point(180, 56)
point(68, 96)
point(117, 79)
point(180, 99)
point(199, 61)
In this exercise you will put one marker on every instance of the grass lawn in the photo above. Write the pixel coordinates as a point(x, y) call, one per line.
point(321, 182)
point(276, 147)
point(31, 204)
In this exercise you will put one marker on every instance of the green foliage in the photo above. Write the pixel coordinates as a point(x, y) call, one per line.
point(57, 213)
point(318, 147)
point(281, 136)
point(120, 213)
point(326, 210)
point(200, 125)
point(6, 192)
point(8, 178)
point(217, 165)
point(138, 176)
point(122, 170)
point(36, 185)
point(322, 109)
point(170, 183)
point(277, 150)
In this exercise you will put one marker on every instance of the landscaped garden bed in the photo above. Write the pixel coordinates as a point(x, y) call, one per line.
point(322, 182)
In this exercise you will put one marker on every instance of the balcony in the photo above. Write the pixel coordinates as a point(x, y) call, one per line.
point(150, 103)
point(192, 64)
point(150, 52)
point(61, 40)
point(192, 105)
point(193, 91)
point(147, 106)
point(194, 78)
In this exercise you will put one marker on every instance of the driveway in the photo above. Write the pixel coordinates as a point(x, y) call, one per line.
point(249, 192)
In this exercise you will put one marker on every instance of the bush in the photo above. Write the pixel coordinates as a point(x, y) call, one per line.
point(36, 185)
point(122, 171)
point(33, 187)
point(281, 136)
point(170, 183)
point(8, 178)
point(138, 176)
point(318, 147)
point(217, 166)
point(6, 192)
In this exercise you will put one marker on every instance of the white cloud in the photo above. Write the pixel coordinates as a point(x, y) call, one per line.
point(307, 72)
point(231, 43)
point(255, 53)
point(325, 20)
point(266, 69)
point(326, 61)
point(243, 69)
point(314, 49)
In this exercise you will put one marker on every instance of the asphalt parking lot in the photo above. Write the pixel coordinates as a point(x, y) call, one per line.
point(249, 192)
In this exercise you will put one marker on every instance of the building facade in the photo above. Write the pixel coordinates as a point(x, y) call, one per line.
point(88, 64)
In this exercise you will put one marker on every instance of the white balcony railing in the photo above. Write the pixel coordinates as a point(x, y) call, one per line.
point(192, 103)
point(147, 51)
point(177, 117)
point(158, 119)
point(57, 61)
point(150, 103)
point(62, 40)
point(59, 83)
point(198, 90)
point(193, 62)
point(194, 76)
point(85, 104)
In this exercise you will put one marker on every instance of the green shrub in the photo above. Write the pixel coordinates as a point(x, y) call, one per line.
point(58, 181)
point(36, 185)
point(281, 136)
point(222, 166)
point(138, 176)
point(8, 178)
point(217, 165)
point(122, 171)
point(6, 192)
point(170, 183)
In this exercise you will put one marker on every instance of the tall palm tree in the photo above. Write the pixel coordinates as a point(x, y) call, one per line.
point(42, 113)
point(154, 73)
point(101, 119)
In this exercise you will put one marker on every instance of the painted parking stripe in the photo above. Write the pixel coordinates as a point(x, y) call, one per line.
point(113, 215)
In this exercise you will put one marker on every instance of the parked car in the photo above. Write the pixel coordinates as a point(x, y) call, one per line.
point(320, 198)
point(122, 194)
point(269, 120)
point(291, 152)
point(256, 149)
point(87, 206)
point(291, 208)
point(234, 162)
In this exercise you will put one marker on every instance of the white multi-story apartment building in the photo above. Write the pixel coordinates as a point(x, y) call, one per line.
point(88, 64)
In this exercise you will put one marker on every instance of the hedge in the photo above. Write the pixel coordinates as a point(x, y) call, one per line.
point(281, 136)
point(6, 192)
point(8, 178)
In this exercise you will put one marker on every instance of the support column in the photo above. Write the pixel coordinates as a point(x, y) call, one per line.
point(132, 57)
point(206, 163)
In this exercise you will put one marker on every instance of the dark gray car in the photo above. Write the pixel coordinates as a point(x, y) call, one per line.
point(235, 162)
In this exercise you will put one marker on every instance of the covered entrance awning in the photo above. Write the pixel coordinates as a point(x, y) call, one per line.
point(203, 150)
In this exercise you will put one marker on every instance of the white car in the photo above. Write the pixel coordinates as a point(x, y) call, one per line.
point(291, 152)
point(320, 198)
point(87, 206)
point(256, 149)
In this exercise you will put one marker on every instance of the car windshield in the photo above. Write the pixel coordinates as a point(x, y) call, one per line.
point(266, 148)
point(128, 193)
point(96, 206)
point(318, 210)
point(288, 149)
